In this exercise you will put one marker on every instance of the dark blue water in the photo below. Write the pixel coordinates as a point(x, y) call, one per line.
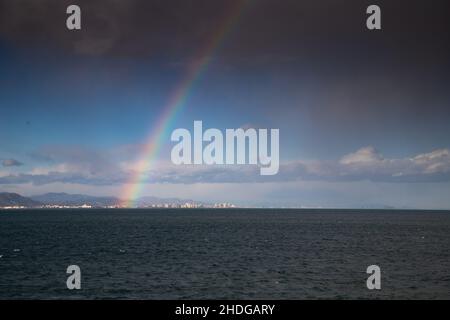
point(248, 254)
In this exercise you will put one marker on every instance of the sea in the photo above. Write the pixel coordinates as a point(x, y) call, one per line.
point(224, 253)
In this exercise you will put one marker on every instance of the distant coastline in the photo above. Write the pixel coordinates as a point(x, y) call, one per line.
point(58, 201)
point(78, 201)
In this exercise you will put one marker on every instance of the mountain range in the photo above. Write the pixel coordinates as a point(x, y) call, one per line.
point(14, 199)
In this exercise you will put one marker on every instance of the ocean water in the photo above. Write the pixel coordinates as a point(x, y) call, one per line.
point(224, 254)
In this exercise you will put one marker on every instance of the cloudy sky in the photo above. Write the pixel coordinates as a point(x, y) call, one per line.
point(363, 115)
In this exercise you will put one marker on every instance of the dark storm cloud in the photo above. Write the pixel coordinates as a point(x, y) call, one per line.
point(268, 31)
point(321, 45)
point(131, 28)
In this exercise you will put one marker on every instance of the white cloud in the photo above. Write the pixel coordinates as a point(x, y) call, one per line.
point(363, 155)
point(88, 167)
point(60, 168)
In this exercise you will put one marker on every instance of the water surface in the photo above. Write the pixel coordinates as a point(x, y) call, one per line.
point(229, 254)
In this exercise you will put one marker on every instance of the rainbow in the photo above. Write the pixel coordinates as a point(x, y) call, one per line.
point(177, 100)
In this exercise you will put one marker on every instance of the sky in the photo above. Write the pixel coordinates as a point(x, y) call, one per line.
point(363, 115)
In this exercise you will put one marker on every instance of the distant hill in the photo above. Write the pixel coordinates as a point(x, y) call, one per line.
point(75, 199)
point(14, 199)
